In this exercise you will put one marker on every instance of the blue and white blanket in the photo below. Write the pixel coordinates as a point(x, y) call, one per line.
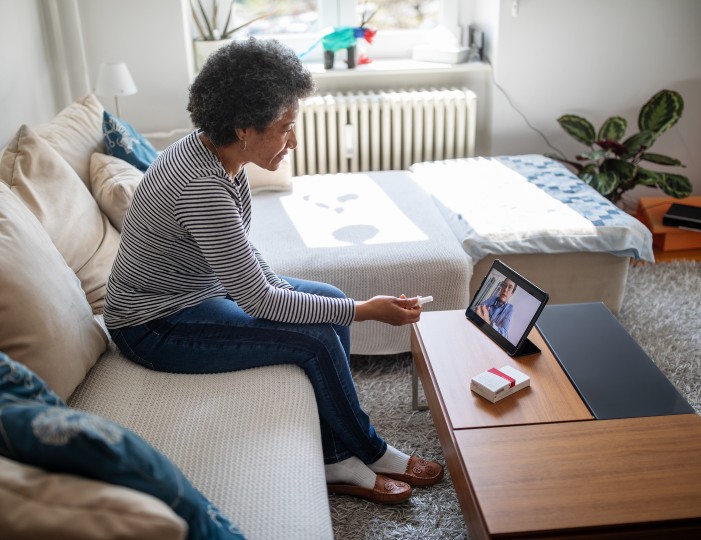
point(528, 204)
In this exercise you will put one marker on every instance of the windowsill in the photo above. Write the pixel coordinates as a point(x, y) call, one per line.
point(395, 66)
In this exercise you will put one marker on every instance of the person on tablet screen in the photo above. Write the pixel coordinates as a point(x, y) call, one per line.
point(496, 309)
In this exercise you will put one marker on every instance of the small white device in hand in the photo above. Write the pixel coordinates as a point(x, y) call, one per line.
point(421, 300)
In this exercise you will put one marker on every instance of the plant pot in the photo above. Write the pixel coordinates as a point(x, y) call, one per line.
point(202, 49)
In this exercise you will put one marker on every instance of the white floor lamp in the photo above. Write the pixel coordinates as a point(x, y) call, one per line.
point(114, 79)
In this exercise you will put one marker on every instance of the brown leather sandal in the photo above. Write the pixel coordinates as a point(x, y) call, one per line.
point(419, 472)
point(385, 491)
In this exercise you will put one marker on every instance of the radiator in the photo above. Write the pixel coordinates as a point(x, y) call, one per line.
point(381, 131)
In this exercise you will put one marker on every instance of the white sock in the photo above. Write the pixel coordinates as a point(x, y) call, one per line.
point(392, 461)
point(350, 471)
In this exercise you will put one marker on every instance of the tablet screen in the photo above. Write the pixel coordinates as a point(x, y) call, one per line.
point(506, 306)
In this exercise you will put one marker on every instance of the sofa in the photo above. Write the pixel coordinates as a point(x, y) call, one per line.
point(247, 442)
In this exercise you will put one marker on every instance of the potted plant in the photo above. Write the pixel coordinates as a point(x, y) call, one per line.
point(614, 165)
point(211, 35)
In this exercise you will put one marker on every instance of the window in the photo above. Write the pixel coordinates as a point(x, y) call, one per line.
point(301, 23)
point(306, 16)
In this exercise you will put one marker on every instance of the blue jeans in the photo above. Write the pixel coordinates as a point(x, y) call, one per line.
point(218, 336)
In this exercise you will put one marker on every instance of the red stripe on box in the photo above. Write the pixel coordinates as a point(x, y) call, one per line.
point(511, 380)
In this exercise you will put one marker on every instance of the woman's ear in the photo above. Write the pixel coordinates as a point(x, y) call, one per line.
point(241, 134)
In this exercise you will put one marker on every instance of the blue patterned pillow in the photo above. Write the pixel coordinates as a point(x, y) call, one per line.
point(17, 382)
point(38, 429)
point(123, 141)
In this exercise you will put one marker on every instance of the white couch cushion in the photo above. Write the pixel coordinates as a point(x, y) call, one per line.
point(257, 456)
point(38, 504)
point(51, 189)
point(113, 182)
point(45, 320)
point(75, 133)
point(260, 179)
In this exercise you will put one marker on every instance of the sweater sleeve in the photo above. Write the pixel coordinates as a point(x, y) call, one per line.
point(270, 275)
point(207, 210)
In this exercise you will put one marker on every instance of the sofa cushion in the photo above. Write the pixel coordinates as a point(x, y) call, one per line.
point(113, 182)
point(75, 133)
point(260, 179)
point(262, 463)
point(50, 188)
point(38, 504)
point(60, 439)
point(45, 319)
point(123, 141)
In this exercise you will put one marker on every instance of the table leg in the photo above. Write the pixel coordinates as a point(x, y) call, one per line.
point(415, 405)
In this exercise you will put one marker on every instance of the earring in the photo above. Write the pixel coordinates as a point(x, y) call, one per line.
point(243, 146)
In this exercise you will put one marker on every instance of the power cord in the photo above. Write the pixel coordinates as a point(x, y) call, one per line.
point(515, 108)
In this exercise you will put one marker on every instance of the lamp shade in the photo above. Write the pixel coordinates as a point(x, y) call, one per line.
point(114, 79)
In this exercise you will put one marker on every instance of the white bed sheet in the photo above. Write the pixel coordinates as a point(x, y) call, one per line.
point(493, 208)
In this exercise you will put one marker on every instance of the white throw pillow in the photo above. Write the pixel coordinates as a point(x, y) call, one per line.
point(113, 182)
point(38, 504)
point(46, 322)
point(75, 133)
point(260, 179)
point(51, 189)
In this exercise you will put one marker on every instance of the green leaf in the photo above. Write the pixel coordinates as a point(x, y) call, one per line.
point(613, 129)
point(675, 185)
point(209, 35)
point(646, 177)
point(661, 112)
point(577, 127)
point(594, 155)
point(661, 160)
point(638, 142)
point(244, 25)
point(604, 182)
point(589, 169)
point(623, 169)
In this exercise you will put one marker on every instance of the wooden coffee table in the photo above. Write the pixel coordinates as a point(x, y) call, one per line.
point(536, 464)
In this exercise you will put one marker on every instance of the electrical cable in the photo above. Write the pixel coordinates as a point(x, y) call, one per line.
point(515, 108)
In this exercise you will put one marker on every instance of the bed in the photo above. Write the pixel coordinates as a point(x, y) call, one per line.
point(434, 230)
point(535, 215)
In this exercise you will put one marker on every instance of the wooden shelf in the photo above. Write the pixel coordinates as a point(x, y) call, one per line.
point(667, 256)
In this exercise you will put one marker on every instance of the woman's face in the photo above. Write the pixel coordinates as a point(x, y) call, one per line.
point(268, 148)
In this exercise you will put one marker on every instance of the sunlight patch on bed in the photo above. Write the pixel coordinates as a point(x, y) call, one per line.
point(332, 214)
point(501, 203)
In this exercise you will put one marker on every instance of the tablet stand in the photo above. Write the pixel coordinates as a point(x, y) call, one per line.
point(527, 348)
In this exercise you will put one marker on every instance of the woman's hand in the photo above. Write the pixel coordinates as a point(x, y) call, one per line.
point(388, 309)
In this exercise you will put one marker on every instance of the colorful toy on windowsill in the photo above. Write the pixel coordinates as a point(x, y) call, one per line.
point(345, 37)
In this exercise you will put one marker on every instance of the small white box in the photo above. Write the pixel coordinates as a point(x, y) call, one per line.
point(495, 384)
point(443, 54)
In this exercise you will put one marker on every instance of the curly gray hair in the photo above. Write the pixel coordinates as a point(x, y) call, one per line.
point(246, 84)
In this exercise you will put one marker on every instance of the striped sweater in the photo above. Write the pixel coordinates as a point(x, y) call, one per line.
point(186, 239)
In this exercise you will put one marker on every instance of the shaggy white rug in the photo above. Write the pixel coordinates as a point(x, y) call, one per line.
point(661, 310)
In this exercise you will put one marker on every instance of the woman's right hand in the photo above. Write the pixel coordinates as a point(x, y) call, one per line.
point(388, 309)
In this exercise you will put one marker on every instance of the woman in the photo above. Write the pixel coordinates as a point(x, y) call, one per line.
point(189, 293)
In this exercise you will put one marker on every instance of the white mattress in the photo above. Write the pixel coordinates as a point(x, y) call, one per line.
point(528, 204)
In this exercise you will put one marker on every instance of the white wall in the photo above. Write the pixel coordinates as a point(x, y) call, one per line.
point(26, 81)
point(150, 36)
point(595, 57)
